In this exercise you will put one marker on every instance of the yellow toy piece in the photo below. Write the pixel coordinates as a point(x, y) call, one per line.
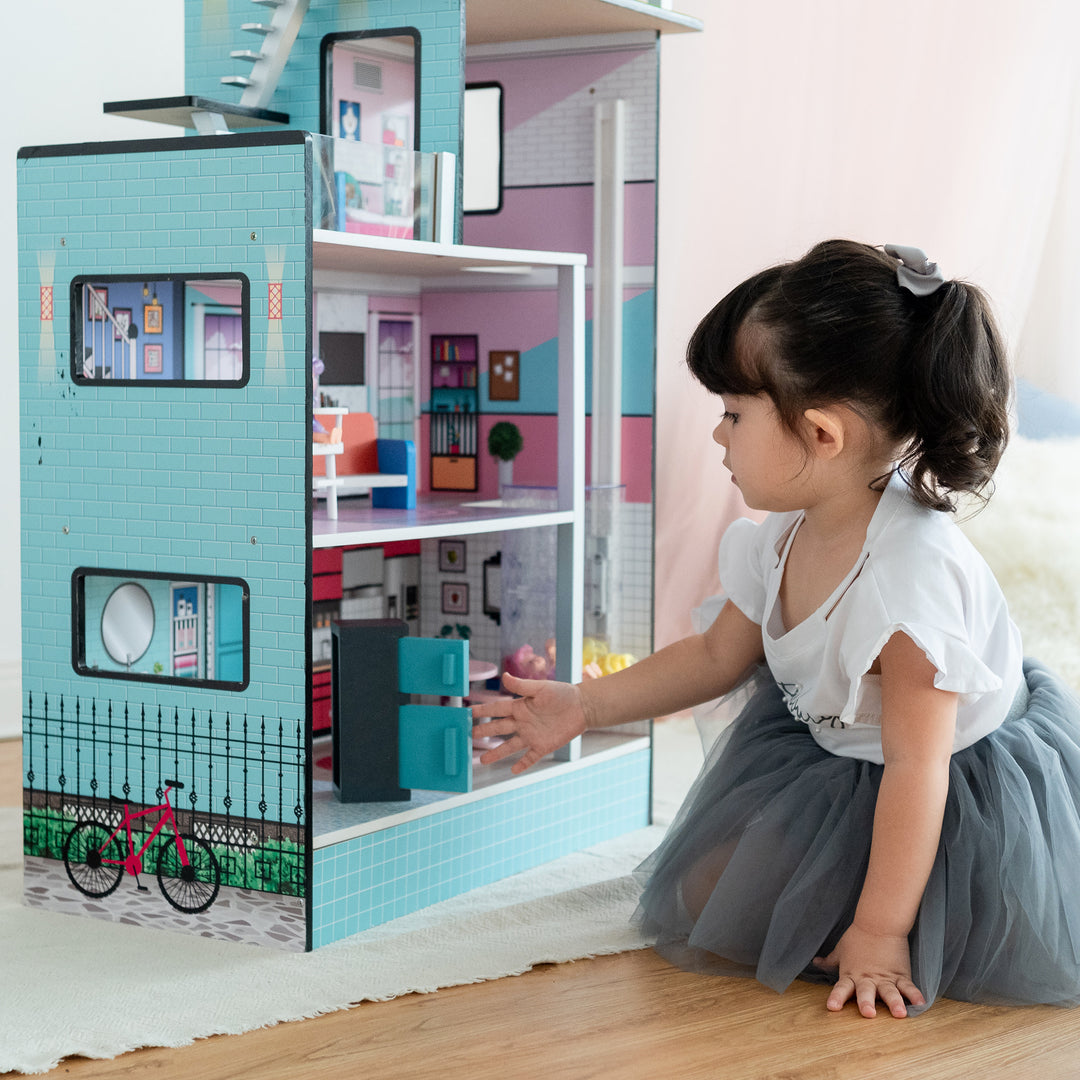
point(592, 649)
point(609, 663)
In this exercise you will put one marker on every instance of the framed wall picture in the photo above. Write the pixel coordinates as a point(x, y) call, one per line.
point(349, 120)
point(99, 303)
point(152, 318)
point(455, 598)
point(122, 315)
point(504, 375)
point(152, 359)
point(452, 556)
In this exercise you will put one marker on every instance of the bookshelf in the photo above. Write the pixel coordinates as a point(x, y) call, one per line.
point(455, 366)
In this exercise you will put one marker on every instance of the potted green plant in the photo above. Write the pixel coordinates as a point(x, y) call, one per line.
point(504, 443)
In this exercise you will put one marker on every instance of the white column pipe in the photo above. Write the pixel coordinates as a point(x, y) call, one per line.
point(607, 294)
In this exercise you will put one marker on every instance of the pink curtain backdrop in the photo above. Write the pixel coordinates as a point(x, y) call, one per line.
point(950, 126)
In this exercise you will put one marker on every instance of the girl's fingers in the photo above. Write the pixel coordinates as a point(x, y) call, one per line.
point(890, 994)
point(867, 991)
point(910, 991)
point(505, 750)
point(840, 994)
point(526, 761)
point(866, 996)
point(524, 687)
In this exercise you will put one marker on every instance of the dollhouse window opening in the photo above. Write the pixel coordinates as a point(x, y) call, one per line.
point(357, 61)
point(370, 103)
point(482, 148)
point(161, 329)
point(161, 628)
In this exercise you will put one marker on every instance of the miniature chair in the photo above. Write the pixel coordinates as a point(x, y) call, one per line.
point(361, 462)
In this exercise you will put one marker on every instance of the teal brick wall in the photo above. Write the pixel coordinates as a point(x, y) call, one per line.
point(213, 30)
point(183, 480)
point(388, 873)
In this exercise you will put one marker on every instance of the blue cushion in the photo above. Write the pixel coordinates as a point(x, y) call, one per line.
point(1042, 415)
point(396, 456)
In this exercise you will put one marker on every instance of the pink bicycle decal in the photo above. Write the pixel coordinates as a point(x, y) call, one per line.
point(188, 873)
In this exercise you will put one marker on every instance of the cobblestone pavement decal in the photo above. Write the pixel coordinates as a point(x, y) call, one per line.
point(243, 915)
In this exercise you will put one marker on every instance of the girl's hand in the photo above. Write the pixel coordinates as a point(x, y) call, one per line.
point(546, 716)
point(871, 966)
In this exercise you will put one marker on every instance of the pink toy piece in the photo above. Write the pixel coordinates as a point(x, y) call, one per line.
point(526, 664)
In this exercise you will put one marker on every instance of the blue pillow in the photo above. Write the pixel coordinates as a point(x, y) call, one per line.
point(1041, 415)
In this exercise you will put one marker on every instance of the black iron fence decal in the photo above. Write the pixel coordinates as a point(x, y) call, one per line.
point(243, 781)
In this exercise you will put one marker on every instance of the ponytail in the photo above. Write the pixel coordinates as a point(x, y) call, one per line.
point(956, 397)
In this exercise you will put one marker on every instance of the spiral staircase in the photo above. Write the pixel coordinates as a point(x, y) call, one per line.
point(274, 32)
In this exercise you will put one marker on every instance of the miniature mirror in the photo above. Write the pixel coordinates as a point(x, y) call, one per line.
point(127, 623)
point(481, 170)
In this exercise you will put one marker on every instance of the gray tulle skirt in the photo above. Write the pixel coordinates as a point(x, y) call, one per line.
point(787, 827)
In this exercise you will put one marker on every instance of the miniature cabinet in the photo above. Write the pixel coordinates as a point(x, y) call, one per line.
point(455, 367)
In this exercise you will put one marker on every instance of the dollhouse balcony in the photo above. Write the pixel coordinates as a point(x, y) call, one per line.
point(377, 189)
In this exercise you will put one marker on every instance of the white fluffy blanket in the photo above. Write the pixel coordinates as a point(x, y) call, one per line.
point(1029, 533)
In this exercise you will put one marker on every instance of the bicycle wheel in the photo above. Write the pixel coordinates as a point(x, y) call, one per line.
point(194, 887)
point(86, 848)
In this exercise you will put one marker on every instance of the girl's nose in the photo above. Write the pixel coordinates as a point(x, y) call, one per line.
point(718, 435)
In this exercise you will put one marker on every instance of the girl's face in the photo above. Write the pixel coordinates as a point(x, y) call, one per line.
point(768, 464)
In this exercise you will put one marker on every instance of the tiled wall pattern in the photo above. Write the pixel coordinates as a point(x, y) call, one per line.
point(177, 479)
point(484, 632)
point(213, 30)
point(636, 579)
point(485, 642)
point(556, 145)
point(383, 875)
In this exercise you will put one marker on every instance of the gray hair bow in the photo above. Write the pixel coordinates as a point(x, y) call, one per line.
point(916, 272)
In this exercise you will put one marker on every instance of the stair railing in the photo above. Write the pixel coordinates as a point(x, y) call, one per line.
point(109, 340)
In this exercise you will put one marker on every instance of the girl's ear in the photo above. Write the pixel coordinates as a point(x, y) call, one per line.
point(826, 431)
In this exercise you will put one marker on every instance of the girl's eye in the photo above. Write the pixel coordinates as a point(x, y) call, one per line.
point(733, 417)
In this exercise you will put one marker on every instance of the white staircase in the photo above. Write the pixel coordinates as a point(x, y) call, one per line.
point(277, 37)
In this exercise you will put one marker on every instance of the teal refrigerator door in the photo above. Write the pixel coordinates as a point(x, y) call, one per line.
point(435, 747)
point(438, 667)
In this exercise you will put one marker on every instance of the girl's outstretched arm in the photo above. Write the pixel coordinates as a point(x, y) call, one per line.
point(549, 714)
point(918, 724)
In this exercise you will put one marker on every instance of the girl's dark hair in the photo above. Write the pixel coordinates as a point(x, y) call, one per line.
point(837, 327)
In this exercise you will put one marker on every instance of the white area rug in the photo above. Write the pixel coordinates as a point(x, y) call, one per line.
point(98, 989)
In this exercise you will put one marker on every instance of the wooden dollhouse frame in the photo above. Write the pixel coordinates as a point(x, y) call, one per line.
point(224, 491)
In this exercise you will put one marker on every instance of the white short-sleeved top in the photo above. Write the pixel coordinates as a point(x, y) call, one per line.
point(916, 573)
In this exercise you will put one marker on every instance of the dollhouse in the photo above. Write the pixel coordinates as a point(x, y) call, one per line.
point(186, 595)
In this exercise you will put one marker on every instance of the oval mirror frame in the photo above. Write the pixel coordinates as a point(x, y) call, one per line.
point(127, 623)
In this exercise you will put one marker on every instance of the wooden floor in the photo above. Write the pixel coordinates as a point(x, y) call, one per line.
point(629, 1016)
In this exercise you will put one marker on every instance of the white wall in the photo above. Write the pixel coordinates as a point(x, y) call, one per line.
point(944, 125)
point(59, 61)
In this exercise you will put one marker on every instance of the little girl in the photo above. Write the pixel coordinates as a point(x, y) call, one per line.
point(897, 808)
